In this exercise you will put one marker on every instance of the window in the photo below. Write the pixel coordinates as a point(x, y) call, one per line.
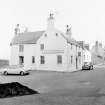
point(71, 59)
point(79, 60)
point(21, 60)
point(71, 45)
point(21, 48)
point(59, 59)
point(42, 46)
point(42, 60)
point(33, 59)
point(45, 35)
point(76, 47)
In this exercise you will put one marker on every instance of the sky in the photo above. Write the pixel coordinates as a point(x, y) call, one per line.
point(87, 18)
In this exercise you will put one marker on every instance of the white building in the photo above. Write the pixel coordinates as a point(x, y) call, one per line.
point(86, 51)
point(87, 56)
point(46, 50)
point(98, 53)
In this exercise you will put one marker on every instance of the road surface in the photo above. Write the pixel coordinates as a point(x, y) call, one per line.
point(59, 88)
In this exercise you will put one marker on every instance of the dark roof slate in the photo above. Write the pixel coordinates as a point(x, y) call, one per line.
point(32, 38)
point(27, 38)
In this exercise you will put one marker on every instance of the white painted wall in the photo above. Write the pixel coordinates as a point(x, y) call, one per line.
point(74, 52)
point(29, 51)
point(14, 60)
point(53, 46)
point(87, 56)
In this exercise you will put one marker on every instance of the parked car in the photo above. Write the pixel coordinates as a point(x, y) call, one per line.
point(87, 66)
point(14, 70)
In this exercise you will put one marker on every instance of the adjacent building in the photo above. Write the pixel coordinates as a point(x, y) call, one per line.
point(98, 53)
point(50, 49)
point(86, 52)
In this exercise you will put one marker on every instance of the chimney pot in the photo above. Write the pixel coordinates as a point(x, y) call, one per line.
point(17, 30)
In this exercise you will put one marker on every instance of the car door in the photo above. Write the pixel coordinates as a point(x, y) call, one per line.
point(11, 71)
point(16, 70)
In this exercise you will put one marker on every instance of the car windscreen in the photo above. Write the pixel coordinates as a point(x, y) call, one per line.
point(86, 63)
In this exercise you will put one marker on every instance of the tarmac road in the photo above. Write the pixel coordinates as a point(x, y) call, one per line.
point(58, 88)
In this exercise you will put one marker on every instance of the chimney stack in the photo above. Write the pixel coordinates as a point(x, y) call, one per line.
point(17, 29)
point(51, 21)
point(26, 30)
point(68, 31)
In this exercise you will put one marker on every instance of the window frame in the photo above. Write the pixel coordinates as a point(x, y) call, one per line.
point(33, 59)
point(41, 46)
point(71, 46)
point(42, 59)
point(45, 35)
point(71, 59)
point(21, 48)
point(56, 34)
point(59, 59)
point(21, 60)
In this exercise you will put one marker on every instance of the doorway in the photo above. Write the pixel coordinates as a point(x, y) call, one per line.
point(21, 60)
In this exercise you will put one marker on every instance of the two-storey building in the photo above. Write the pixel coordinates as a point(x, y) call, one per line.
point(50, 49)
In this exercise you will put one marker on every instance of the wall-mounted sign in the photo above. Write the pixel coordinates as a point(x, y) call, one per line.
point(52, 51)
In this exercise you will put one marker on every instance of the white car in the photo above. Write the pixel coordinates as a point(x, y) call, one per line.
point(14, 70)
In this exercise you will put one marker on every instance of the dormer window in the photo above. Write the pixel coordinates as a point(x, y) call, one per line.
point(42, 59)
point(71, 59)
point(56, 34)
point(45, 35)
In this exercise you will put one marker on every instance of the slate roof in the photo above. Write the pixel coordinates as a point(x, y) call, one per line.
point(32, 37)
point(27, 38)
point(71, 41)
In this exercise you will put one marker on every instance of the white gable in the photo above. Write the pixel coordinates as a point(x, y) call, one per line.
point(53, 40)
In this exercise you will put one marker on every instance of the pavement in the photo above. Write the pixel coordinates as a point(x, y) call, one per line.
point(99, 65)
point(60, 88)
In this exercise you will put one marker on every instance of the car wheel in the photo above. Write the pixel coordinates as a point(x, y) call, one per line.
point(5, 73)
point(22, 73)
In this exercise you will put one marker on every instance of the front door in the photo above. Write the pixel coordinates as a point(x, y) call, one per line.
point(21, 60)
